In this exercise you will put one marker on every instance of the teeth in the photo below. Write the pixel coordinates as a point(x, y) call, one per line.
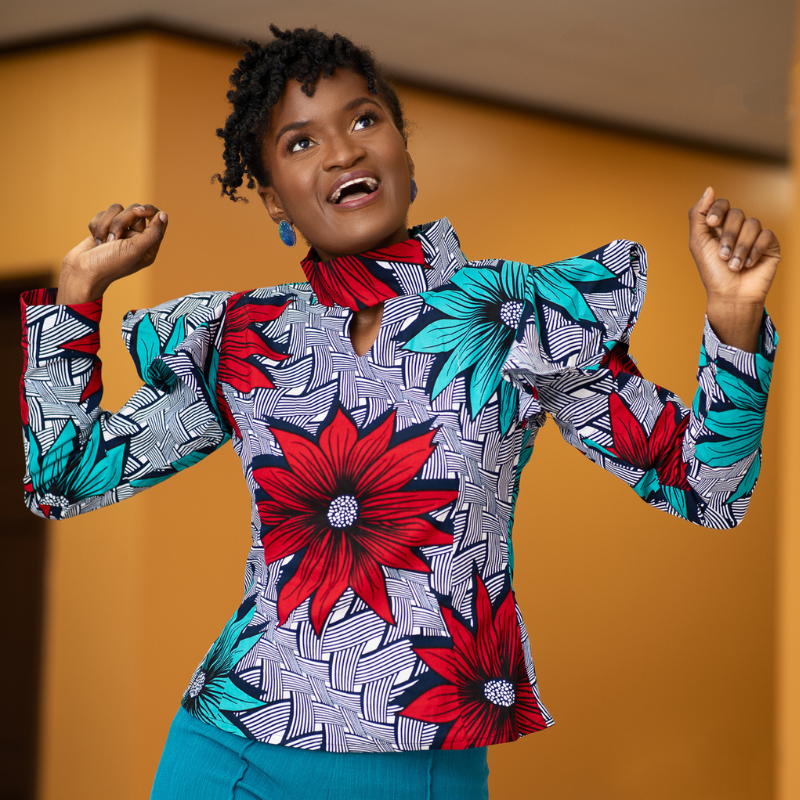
point(370, 182)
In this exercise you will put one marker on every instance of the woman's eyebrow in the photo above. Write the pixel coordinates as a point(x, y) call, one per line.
point(291, 127)
point(359, 101)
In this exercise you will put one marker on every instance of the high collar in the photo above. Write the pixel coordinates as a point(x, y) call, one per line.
point(424, 261)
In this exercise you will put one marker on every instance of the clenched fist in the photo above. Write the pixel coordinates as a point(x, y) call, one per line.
point(737, 260)
point(122, 241)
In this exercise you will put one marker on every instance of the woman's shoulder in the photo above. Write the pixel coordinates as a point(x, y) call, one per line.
point(149, 333)
point(605, 286)
point(299, 290)
point(189, 321)
point(621, 260)
point(200, 307)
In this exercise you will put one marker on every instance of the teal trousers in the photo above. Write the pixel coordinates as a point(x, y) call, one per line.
point(202, 762)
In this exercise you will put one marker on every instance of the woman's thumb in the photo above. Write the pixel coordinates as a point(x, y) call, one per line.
point(154, 233)
point(159, 224)
point(703, 205)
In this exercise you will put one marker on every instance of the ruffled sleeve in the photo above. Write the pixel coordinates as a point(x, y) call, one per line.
point(80, 457)
point(578, 310)
point(571, 353)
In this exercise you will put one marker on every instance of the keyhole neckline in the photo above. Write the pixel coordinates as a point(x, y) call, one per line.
point(371, 332)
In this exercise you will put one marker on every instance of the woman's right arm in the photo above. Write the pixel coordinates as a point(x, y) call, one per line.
point(80, 457)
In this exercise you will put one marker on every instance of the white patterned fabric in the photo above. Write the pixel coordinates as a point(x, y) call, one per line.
point(378, 612)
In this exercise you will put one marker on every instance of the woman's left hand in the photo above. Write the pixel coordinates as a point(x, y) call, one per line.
point(737, 260)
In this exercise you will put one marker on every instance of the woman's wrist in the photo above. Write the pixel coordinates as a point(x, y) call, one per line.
point(74, 287)
point(736, 324)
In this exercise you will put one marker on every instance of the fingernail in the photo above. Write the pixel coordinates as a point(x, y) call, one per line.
point(110, 237)
point(163, 216)
point(98, 240)
point(713, 219)
point(748, 262)
point(724, 252)
point(140, 208)
point(735, 263)
point(705, 193)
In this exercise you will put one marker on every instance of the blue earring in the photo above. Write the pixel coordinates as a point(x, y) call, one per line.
point(287, 234)
point(413, 190)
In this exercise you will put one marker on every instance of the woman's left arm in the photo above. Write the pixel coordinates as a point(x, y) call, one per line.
point(699, 462)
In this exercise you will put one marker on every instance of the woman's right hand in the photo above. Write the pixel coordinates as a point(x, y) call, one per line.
point(122, 241)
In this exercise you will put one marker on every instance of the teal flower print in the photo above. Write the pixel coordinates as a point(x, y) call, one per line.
point(148, 346)
point(739, 428)
point(215, 693)
point(480, 311)
point(555, 283)
point(56, 472)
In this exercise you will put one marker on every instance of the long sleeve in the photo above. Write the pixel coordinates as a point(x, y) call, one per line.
point(699, 463)
point(80, 457)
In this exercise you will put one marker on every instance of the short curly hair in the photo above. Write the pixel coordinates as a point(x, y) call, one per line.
point(305, 54)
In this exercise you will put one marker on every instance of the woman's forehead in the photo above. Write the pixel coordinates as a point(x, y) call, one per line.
point(331, 96)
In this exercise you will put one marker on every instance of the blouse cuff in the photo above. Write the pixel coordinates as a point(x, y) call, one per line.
point(47, 297)
point(757, 365)
point(58, 331)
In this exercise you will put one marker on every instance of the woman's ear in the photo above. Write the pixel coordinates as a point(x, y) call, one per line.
point(272, 202)
point(410, 163)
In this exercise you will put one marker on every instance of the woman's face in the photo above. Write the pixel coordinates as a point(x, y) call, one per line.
point(340, 170)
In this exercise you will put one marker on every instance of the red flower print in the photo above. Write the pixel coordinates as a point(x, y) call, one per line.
point(240, 343)
point(95, 382)
point(487, 696)
point(351, 501)
point(362, 289)
point(662, 451)
point(617, 360)
point(89, 344)
point(359, 281)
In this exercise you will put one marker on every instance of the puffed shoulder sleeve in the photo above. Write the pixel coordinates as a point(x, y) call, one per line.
point(571, 353)
point(577, 310)
point(80, 457)
point(178, 342)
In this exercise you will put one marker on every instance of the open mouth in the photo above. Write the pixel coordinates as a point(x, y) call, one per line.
point(354, 190)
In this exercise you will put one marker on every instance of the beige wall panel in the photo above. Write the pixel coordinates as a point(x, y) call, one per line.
point(654, 639)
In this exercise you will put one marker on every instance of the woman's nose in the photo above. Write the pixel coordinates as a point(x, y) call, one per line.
point(343, 152)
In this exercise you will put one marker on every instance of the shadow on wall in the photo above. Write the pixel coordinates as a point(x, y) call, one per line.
point(22, 553)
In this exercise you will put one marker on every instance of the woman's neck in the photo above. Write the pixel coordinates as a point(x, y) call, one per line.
point(400, 235)
point(364, 327)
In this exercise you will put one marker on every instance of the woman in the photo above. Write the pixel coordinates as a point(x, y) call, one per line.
point(383, 412)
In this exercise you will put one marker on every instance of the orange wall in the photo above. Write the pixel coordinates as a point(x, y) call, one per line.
point(654, 640)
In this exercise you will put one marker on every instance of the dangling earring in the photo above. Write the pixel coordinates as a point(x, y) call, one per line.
point(413, 190)
point(287, 234)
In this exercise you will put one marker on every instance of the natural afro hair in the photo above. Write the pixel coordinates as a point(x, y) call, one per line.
point(305, 54)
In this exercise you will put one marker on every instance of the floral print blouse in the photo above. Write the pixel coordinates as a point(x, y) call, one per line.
point(379, 613)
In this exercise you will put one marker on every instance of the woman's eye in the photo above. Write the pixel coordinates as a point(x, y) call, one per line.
point(296, 145)
point(364, 121)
